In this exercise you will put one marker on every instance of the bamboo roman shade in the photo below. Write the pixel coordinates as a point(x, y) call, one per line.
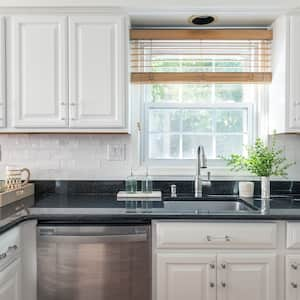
point(199, 56)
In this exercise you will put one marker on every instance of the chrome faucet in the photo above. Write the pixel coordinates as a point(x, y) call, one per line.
point(201, 164)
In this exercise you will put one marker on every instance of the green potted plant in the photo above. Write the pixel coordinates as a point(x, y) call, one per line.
point(263, 161)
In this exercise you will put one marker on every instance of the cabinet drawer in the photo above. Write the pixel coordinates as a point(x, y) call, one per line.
point(215, 235)
point(293, 235)
point(10, 238)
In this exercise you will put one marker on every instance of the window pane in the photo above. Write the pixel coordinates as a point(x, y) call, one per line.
point(165, 93)
point(228, 144)
point(230, 121)
point(229, 92)
point(198, 93)
point(197, 120)
point(190, 144)
point(164, 120)
point(164, 146)
point(186, 93)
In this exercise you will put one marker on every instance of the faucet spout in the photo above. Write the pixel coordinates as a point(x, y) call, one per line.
point(201, 159)
point(201, 164)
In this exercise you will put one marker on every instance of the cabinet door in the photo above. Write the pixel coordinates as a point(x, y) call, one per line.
point(10, 281)
point(185, 276)
point(39, 82)
point(2, 75)
point(98, 71)
point(294, 76)
point(247, 277)
point(292, 277)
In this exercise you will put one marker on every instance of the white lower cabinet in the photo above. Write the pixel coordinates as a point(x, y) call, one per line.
point(189, 276)
point(214, 260)
point(246, 276)
point(196, 276)
point(10, 281)
point(18, 273)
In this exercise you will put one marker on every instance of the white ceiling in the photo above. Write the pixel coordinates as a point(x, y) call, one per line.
point(156, 4)
point(171, 19)
point(176, 12)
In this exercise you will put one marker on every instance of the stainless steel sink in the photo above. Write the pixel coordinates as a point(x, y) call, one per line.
point(211, 206)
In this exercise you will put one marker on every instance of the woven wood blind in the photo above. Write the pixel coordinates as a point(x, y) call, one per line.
point(200, 56)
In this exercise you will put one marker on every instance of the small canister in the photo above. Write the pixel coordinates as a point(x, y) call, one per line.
point(246, 189)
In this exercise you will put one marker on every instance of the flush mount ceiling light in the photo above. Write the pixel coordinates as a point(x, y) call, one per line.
point(201, 20)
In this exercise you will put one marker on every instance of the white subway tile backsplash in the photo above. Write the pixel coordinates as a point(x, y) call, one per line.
point(62, 156)
point(84, 157)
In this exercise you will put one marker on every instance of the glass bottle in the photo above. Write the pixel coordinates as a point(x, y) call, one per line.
point(147, 183)
point(131, 183)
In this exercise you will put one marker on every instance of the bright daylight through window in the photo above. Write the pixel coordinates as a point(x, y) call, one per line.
point(180, 117)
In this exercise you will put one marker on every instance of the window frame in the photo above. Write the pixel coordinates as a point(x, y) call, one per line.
point(252, 123)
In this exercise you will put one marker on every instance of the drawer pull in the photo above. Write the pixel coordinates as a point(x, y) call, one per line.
point(226, 238)
point(294, 266)
point(8, 251)
point(294, 285)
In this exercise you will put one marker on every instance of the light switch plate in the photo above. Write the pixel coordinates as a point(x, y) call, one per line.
point(116, 152)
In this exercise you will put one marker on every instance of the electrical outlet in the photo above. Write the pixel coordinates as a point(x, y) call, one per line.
point(116, 152)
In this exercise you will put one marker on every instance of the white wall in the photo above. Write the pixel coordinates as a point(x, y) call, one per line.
point(155, 4)
point(84, 157)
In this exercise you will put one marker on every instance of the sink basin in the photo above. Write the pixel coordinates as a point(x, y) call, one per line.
point(211, 206)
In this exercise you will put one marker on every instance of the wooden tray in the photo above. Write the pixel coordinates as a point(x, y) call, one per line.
point(11, 196)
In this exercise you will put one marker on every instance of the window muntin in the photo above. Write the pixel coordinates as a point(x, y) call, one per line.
point(180, 117)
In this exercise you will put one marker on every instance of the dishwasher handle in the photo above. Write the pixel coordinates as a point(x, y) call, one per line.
point(91, 237)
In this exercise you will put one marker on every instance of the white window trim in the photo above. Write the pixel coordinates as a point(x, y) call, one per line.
point(260, 110)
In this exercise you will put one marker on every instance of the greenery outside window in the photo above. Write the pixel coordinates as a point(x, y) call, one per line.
point(177, 118)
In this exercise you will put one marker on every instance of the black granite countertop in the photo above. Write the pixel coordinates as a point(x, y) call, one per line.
point(104, 208)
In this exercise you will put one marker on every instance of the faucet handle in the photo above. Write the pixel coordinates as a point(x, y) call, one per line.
point(208, 176)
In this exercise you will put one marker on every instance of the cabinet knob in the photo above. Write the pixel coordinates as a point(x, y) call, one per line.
point(62, 103)
point(212, 285)
point(72, 103)
point(212, 266)
point(223, 284)
point(223, 266)
point(294, 285)
point(294, 266)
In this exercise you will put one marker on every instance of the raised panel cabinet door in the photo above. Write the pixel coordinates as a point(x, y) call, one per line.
point(294, 75)
point(10, 281)
point(247, 277)
point(39, 71)
point(98, 71)
point(2, 74)
point(292, 277)
point(185, 276)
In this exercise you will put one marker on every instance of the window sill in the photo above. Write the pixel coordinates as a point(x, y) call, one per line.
point(188, 173)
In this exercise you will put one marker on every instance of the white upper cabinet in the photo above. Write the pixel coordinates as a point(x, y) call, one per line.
point(2, 74)
point(98, 72)
point(39, 90)
point(67, 73)
point(285, 88)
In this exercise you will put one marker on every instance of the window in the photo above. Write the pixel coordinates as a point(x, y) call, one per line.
point(177, 118)
point(199, 92)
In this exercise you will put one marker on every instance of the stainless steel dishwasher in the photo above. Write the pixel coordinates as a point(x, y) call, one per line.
point(94, 262)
